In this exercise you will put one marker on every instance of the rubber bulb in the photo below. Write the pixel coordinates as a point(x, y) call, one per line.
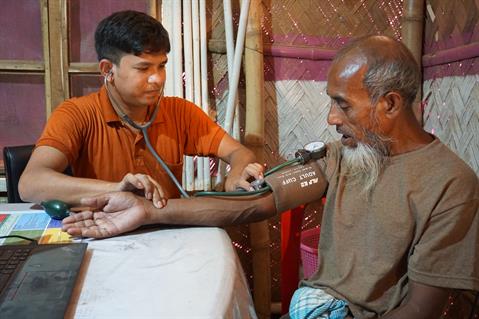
point(56, 209)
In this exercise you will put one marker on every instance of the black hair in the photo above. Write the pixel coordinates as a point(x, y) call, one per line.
point(129, 32)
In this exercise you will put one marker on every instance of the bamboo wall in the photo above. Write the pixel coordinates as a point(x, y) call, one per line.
point(451, 68)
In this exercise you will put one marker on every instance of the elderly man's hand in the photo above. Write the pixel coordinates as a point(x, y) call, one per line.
point(151, 188)
point(251, 170)
point(111, 214)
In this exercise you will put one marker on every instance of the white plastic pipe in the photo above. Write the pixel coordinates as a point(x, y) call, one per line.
point(233, 85)
point(188, 50)
point(176, 56)
point(230, 52)
point(195, 30)
point(188, 64)
point(204, 87)
point(234, 55)
point(167, 21)
point(195, 27)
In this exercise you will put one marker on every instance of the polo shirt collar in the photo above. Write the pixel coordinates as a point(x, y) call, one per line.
point(110, 114)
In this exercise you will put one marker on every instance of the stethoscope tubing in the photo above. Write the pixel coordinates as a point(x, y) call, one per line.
point(144, 127)
point(162, 163)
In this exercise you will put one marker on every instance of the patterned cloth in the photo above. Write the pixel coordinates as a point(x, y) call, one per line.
point(312, 303)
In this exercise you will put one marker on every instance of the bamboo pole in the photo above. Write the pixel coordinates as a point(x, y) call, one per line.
point(301, 52)
point(254, 140)
point(412, 34)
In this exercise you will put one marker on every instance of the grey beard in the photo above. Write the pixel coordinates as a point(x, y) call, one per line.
point(364, 163)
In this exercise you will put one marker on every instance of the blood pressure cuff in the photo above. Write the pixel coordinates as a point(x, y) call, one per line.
point(296, 185)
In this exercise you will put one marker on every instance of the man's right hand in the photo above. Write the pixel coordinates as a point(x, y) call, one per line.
point(109, 215)
point(151, 188)
point(254, 170)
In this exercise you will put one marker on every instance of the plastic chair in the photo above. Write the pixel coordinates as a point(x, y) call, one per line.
point(291, 222)
point(15, 159)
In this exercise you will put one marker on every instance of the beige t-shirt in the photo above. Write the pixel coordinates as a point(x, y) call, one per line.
point(421, 222)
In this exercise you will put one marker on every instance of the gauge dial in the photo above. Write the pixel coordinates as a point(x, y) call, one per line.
point(314, 146)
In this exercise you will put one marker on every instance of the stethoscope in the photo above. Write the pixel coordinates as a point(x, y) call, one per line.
point(259, 186)
point(143, 128)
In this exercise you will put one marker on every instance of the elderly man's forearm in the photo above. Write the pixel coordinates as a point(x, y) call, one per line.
point(213, 211)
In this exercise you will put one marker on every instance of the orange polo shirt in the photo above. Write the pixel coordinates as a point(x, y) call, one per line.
point(98, 145)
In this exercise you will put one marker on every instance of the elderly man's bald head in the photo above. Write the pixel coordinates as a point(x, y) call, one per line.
point(390, 66)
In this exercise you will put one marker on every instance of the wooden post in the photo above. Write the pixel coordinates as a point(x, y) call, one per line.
point(154, 9)
point(46, 57)
point(412, 34)
point(59, 77)
point(254, 140)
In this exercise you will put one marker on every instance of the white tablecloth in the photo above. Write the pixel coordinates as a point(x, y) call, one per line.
point(165, 273)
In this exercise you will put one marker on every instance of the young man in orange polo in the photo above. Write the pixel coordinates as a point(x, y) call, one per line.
point(105, 152)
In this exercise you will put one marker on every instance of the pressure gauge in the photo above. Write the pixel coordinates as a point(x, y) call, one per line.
point(313, 150)
point(314, 146)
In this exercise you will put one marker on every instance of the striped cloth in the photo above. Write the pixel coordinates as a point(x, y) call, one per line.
point(312, 303)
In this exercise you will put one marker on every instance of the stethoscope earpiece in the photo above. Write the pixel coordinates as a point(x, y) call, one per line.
point(109, 76)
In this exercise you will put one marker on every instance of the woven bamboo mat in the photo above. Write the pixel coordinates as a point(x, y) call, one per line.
point(452, 114)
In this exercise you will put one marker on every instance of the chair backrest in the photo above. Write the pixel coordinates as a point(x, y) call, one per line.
point(15, 159)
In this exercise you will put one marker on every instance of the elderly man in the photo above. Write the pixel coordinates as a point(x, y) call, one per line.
point(400, 224)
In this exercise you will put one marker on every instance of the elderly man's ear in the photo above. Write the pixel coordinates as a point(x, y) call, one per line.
point(392, 104)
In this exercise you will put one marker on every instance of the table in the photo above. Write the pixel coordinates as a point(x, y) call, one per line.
point(189, 272)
